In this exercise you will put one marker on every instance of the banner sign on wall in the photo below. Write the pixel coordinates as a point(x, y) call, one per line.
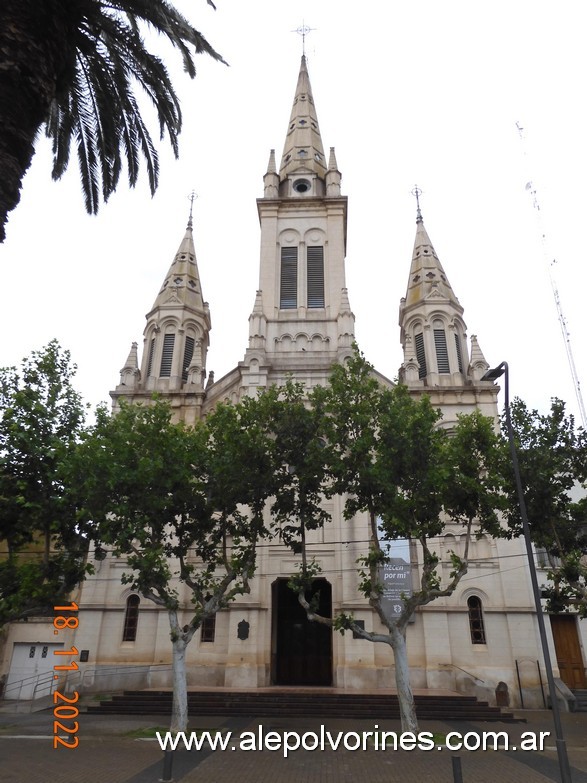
point(396, 577)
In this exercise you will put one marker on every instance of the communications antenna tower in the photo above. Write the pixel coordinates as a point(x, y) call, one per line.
point(559, 308)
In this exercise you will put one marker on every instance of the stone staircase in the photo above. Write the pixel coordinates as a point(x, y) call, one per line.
point(580, 700)
point(288, 703)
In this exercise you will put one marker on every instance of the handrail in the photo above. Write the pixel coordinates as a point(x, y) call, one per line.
point(463, 670)
point(32, 679)
point(104, 671)
point(77, 679)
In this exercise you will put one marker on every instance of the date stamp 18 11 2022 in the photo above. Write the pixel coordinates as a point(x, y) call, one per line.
point(65, 725)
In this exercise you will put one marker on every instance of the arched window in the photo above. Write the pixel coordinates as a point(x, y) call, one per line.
point(167, 355)
point(459, 352)
point(208, 627)
point(421, 354)
point(315, 272)
point(441, 347)
point(188, 355)
point(288, 293)
point(131, 618)
point(482, 549)
point(151, 354)
point(476, 624)
point(450, 546)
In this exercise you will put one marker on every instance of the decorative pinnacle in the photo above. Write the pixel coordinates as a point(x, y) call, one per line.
point(192, 197)
point(417, 193)
point(303, 30)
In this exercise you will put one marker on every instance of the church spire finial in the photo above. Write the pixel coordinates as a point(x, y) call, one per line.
point(303, 30)
point(303, 153)
point(417, 193)
point(192, 197)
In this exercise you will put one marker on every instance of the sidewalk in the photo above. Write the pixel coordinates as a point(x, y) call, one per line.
point(108, 753)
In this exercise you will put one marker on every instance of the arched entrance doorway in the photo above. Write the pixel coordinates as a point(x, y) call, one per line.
point(301, 650)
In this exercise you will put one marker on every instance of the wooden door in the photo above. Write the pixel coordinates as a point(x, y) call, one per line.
point(302, 650)
point(568, 650)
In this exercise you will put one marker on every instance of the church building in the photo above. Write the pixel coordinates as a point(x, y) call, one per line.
point(300, 325)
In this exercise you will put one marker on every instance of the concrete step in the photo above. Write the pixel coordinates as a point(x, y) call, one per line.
point(279, 703)
point(580, 699)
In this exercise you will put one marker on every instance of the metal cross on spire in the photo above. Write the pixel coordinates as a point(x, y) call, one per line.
point(417, 193)
point(303, 30)
point(192, 197)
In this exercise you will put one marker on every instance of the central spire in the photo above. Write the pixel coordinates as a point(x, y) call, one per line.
point(303, 152)
point(301, 317)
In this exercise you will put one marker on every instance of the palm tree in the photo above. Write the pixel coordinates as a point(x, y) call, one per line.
point(73, 66)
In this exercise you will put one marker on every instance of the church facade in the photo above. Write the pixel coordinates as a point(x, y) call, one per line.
point(300, 325)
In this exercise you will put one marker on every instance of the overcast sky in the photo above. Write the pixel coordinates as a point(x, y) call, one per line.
point(407, 93)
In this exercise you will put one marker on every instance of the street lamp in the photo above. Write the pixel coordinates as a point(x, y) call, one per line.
point(561, 747)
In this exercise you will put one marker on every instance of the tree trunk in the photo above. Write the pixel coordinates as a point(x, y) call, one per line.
point(179, 712)
point(37, 56)
point(405, 696)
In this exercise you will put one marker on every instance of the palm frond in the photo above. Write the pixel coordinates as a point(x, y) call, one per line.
point(99, 108)
point(85, 147)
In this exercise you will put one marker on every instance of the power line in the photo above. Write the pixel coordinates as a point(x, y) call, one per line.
point(530, 187)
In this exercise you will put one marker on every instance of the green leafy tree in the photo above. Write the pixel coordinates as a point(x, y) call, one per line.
point(390, 459)
point(73, 66)
point(184, 506)
point(301, 479)
point(42, 547)
point(552, 456)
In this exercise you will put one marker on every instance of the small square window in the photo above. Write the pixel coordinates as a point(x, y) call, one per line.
point(361, 624)
point(208, 629)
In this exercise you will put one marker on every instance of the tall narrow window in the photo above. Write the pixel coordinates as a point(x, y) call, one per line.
point(459, 352)
point(315, 277)
point(421, 355)
point(151, 353)
point(188, 354)
point(167, 355)
point(476, 624)
point(441, 350)
point(288, 295)
point(131, 618)
point(208, 629)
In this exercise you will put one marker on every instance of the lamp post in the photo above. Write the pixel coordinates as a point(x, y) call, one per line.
point(561, 747)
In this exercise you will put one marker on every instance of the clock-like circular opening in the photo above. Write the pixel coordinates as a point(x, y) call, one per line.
point(302, 185)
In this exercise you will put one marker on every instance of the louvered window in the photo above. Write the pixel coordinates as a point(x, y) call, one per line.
point(441, 351)
point(167, 355)
point(187, 357)
point(421, 355)
point(459, 353)
point(315, 277)
point(288, 295)
point(151, 353)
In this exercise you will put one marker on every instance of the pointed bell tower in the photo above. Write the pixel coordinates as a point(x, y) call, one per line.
point(433, 332)
point(176, 340)
point(301, 321)
point(303, 166)
point(433, 335)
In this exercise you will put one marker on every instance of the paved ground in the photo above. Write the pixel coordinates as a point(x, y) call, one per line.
point(109, 753)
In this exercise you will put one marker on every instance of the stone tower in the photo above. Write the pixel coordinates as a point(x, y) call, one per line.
point(301, 321)
point(176, 339)
point(437, 360)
